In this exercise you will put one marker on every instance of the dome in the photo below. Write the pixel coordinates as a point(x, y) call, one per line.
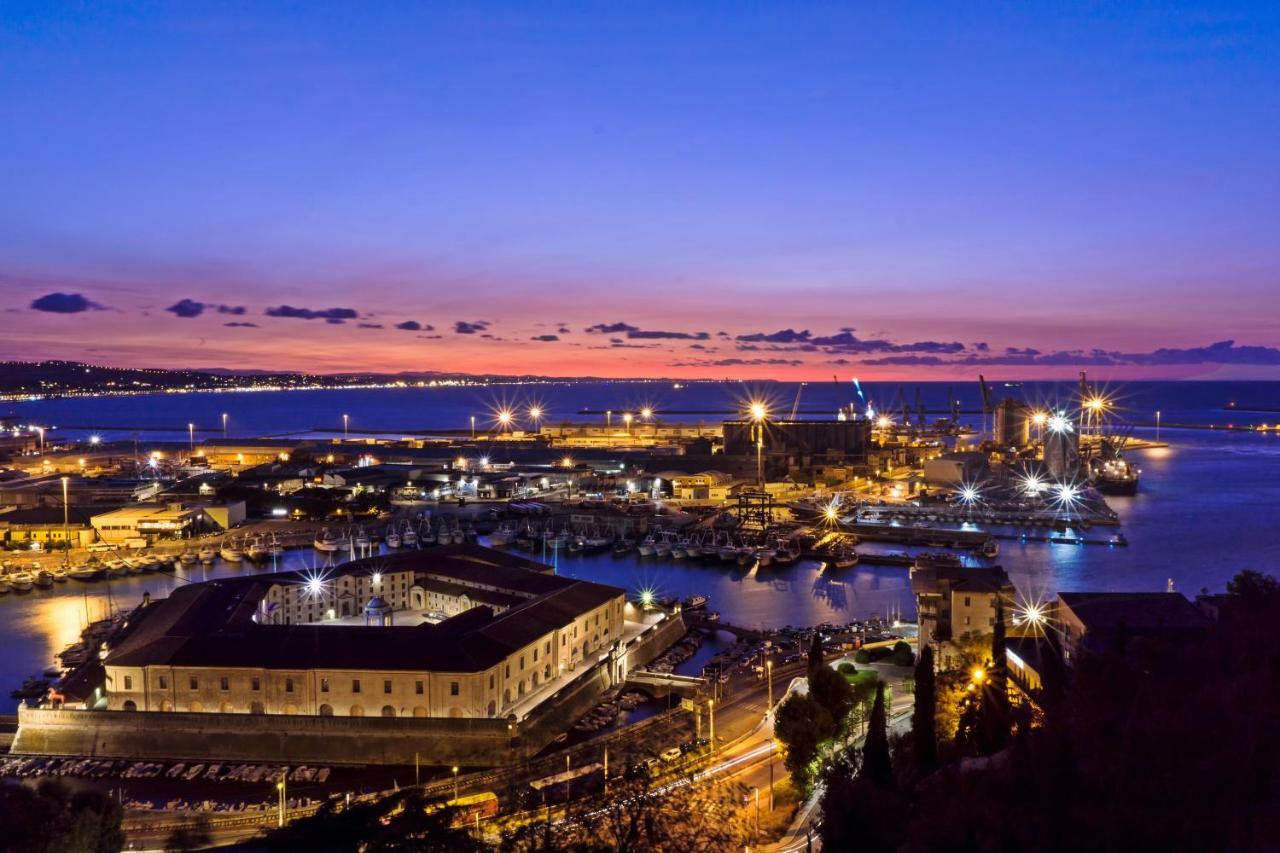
point(377, 604)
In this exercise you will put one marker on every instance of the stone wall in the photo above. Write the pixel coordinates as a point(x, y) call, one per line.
point(327, 740)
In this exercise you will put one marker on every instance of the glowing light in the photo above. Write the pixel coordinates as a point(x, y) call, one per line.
point(95, 439)
point(505, 417)
point(1033, 485)
point(884, 422)
point(1059, 423)
point(1031, 613)
point(315, 585)
point(377, 578)
point(1096, 404)
point(1040, 418)
point(979, 675)
point(758, 411)
point(484, 461)
point(567, 462)
point(535, 412)
point(646, 413)
point(460, 462)
point(647, 597)
point(969, 494)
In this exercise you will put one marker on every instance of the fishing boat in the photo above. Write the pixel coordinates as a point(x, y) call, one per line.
point(410, 536)
point(325, 541)
point(44, 579)
point(86, 573)
point(502, 537)
point(648, 546)
point(274, 549)
point(256, 549)
point(230, 550)
point(695, 602)
point(393, 538)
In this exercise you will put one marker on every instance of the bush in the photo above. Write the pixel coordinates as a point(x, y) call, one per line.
point(846, 668)
point(903, 655)
point(862, 656)
point(865, 655)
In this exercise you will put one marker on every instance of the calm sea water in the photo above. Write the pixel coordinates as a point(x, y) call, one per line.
point(1207, 507)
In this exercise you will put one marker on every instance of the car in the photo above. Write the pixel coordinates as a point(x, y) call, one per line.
point(672, 754)
point(696, 747)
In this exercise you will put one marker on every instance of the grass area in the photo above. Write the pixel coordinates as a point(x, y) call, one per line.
point(860, 678)
point(773, 824)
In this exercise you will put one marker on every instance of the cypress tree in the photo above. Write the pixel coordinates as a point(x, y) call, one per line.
point(993, 712)
point(816, 661)
point(876, 765)
point(924, 734)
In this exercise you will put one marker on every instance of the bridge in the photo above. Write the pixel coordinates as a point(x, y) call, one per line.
point(662, 683)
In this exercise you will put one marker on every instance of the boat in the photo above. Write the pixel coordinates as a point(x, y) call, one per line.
point(1118, 540)
point(207, 554)
point(648, 546)
point(22, 582)
point(344, 541)
point(1111, 473)
point(325, 541)
point(393, 538)
point(989, 549)
point(187, 557)
point(458, 536)
point(44, 579)
point(764, 556)
point(256, 549)
point(845, 558)
point(623, 546)
point(86, 573)
point(502, 537)
point(410, 536)
point(695, 602)
point(274, 548)
point(362, 542)
point(60, 574)
point(230, 551)
point(5, 587)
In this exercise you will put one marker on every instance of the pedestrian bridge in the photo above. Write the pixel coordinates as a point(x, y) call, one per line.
point(662, 683)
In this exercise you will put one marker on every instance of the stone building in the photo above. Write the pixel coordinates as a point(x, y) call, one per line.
point(955, 603)
point(286, 643)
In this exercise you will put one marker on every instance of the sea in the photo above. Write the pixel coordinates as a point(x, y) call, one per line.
point(1207, 507)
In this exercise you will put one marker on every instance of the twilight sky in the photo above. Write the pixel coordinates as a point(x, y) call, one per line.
point(735, 189)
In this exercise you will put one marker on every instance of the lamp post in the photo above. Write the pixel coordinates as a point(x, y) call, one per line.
point(191, 438)
point(473, 427)
point(280, 789)
point(711, 717)
point(455, 783)
point(1157, 424)
point(224, 424)
point(346, 422)
point(66, 527)
point(608, 418)
point(626, 419)
point(768, 672)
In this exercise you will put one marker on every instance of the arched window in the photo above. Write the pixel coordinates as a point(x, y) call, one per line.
point(520, 691)
point(388, 711)
point(326, 710)
point(130, 705)
point(493, 708)
point(455, 712)
point(196, 706)
point(546, 673)
point(419, 711)
point(506, 696)
point(257, 708)
point(357, 710)
point(226, 708)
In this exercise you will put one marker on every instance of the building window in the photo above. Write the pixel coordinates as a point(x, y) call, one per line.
point(324, 685)
point(491, 681)
point(355, 685)
point(966, 601)
point(128, 682)
point(417, 687)
point(164, 682)
point(386, 685)
point(195, 683)
point(453, 688)
point(288, 685)
point(508, 670)
point(256, 683)
point(522, 663)
point(224, 683)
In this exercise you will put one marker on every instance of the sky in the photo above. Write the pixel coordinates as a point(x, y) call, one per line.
point(786, 190)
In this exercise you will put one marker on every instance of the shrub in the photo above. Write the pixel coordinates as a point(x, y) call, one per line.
point(862, 656)
point(846, 668)
point(902, 654)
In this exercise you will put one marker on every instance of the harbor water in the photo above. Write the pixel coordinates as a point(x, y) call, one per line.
point(1206, 508)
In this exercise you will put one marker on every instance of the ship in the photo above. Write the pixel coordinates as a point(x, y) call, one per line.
point(1111, 473)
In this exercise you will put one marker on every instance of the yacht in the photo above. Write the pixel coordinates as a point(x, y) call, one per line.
point(256, 549)
point(648, 546)
point(22, 582)
point(325, 541)
point(362, 541)
point(393, 538)
point(187, 556)
point(502, 537)
point(230, 551)
point(44, 579)
point(410, 536)
point(207, 554)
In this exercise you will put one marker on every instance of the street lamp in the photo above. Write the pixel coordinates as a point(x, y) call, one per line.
point(66, 527)
point(646, 413)
point(473, 427)
point(535, 415)
point(455, 783)
point(224, 424)
point(759, 413)
point(768, 674)
point(346, 422)
point(191, 437)
point(280, 788)
point(626, 418)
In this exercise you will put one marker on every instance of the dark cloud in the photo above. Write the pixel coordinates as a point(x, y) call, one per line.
point(784, 336)
point(1221, 352)
point(329, 315)
point(241, 325)
point(415, 326)
point(65, 303)
point(739, 362)
point(636, 333)
point(545, 338)
point(462, 327)
point(563, 330)
point(370, 326)
point(186, 308)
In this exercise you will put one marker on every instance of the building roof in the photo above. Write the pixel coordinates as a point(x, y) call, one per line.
point(50, 515)
point(212, 624)
point(1137, 611)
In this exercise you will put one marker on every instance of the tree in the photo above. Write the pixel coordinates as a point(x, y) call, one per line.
point(401, 822)
point(801, 724)
point(924, 731)
point(1253, 585)
point(902, 654)
point(49, 817)
point(816, 658)
point(833, 692)
point(194, 835)
point(876, 766)
point(993, 710)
